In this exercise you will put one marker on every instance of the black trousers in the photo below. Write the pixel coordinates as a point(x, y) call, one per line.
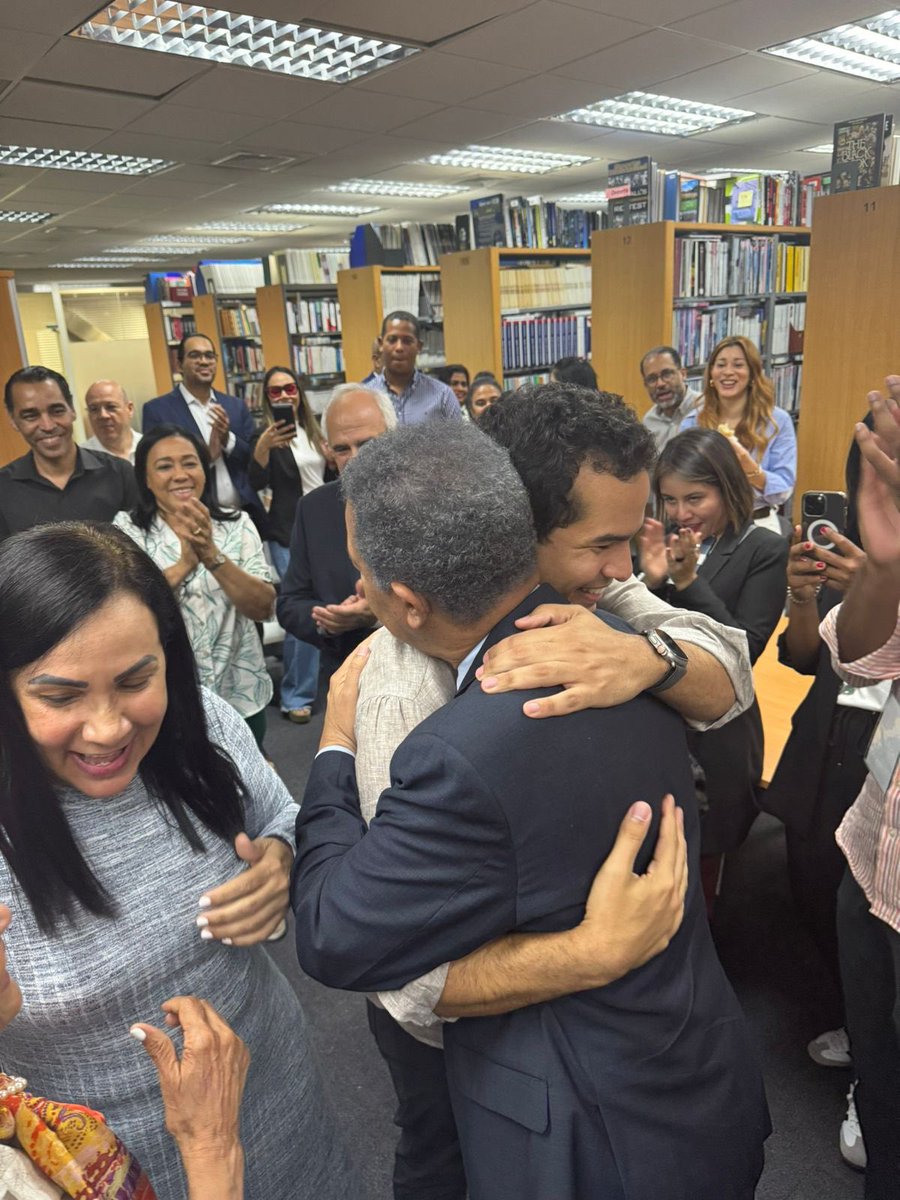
point(428, 1163)
point(870, 967)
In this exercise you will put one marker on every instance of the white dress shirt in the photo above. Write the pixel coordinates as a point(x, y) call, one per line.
point(226, 493)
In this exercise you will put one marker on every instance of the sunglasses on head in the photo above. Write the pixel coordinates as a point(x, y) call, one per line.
point(281, 389)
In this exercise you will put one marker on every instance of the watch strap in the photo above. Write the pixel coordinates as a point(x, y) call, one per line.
point(671, 653)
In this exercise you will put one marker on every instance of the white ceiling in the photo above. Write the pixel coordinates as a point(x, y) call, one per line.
point(490, 71)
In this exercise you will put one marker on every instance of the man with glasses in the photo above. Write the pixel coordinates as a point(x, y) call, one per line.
point(666, 382)
point(223, 422)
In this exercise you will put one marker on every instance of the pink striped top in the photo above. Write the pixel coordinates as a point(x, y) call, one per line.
point(869, 834)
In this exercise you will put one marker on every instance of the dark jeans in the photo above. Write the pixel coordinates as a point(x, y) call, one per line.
point(870, 967)
point(428, 1164)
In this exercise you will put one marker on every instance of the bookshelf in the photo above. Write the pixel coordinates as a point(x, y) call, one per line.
point(300, 325)
point(12, 358)
point(367, 293)
point(230, 322)
point(168, 321)
point(851, 339)
point(682, 282)
point(514, 312)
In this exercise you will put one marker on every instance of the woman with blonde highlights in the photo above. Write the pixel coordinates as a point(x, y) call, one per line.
point(739, 402)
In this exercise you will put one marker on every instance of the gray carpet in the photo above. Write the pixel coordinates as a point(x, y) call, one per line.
point(771, 963)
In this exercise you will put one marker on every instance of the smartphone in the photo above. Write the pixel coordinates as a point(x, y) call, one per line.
point(820, 511)
point(283, 412)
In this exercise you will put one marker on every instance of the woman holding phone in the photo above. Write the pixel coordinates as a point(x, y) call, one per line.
point(288, 458)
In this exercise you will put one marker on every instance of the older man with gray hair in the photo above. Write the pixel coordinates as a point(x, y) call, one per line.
point(319, 601)
point(110, 413)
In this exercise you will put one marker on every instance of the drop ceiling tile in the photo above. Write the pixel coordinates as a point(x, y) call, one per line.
point(21, 51)
point(742, 24)
point(177, 189)
point(721, 82)
point(542, 96)
point(543, 37)
point(766, 134)
point(180, 120)
point(820, 97)
point(648, 12)
point(404, 19)
point(560, 137)
point(645, 61)
point(119, 68)
point(42, 16)
point(444, 78)
point(356, 108)
point(72, 106)
point(179, 150)
point(16, 132)
point(257, 93)
point(289, 137)
point(461, 125)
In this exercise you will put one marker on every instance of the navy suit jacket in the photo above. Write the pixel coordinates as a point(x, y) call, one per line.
point(646, 1089)
point(172, 409)
point(320, 572)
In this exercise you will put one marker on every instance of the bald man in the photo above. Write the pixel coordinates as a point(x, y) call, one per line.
point(110, 413)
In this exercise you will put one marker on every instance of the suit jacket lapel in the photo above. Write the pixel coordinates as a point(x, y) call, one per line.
point(722, 552)
point(544, 594)
point(182, 405)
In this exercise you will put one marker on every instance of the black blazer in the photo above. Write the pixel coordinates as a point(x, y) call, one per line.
point(320, 571)
point(741, 583)
point(492, 823)
point(283, 476)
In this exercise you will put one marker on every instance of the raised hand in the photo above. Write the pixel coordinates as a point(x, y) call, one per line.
point(652, 553)
point(682, 553)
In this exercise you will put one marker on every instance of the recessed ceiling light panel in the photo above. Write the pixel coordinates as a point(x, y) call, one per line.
point(582, 199)
point(23, 217)
point(81, 160)
point(315, 210)
point(869, 48)
point(825, 148)
point(502, 158)
point(215, 35)
point(645, 112)
point(388, 187)
point(190, 242)
point(249, 226)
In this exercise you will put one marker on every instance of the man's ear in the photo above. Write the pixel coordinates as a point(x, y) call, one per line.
point(416, 607)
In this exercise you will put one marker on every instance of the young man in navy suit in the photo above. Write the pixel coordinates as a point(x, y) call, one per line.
point(223, 422)
point(646, 1089)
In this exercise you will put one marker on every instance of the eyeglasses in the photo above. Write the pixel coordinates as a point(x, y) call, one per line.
point(666, 376)
point(274, 390)
point(202, 355)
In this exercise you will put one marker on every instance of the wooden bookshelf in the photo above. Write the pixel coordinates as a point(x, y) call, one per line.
point(12, 358)
point(162, 344)
point(230, 378)
point(472, 294)
point(851, 326)
point(208, 324)
point(361, 297)
point(633, 289)
point(281, 345)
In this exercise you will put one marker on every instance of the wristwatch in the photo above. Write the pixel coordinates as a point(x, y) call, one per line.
point(219, 561)
point(673, 655)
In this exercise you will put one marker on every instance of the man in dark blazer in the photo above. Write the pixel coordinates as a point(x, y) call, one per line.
point(223, 422)
point(318, 600)
point(647, 1089)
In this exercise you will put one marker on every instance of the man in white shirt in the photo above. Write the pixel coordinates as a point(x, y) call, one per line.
point(111, 413)
point(666, 382)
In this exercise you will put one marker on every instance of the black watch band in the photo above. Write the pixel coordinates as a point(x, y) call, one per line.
point(672, 653)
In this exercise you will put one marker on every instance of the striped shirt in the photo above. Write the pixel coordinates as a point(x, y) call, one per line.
point(424, 397)
point(869, 834)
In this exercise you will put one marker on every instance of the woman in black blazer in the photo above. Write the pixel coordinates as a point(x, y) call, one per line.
point(288, 458)
point(716, 561)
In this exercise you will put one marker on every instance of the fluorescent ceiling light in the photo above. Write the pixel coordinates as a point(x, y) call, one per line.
point(163, 251)
point(825, 148)
point(215, 35)
point(387, 187)
point(89, 266)
point(250, 226)
point(868, 48)
point(188, 241)
point(649, 113)
point(583, 199)
point(81, 160)
point(312, 210)
point(502, 158)
point(21, 217)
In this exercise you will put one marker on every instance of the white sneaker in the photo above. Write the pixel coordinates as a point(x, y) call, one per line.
point(853, 1148)
point(831, 1049)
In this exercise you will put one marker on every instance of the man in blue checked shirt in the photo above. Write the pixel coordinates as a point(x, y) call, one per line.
point(416, 397)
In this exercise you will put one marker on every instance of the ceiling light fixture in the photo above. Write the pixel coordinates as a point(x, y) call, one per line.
point(645, 112)
point(191, 242)
point(161, 251)
point(502, 158)
point(387, 187)
point(825, 148)
point(215, 35)
point(23, 217)
point(81, 160)
point(582, 199)
point(91, 266)
point(250, 226)
point(315, 210)
point(868, 48)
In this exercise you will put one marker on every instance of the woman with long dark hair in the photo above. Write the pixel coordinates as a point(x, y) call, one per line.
point(214, 562)
point(146, 849)
point(288, 459)
point(717, 561)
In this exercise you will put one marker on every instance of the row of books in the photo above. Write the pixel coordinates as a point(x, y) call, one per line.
point(539, 286)
point(179, 327)
point(406, 244)
point(432, 353)
point(723, 265)
point(635, 192)
point(180, 286)
point(532, 341)
point(312, 266)
point(865, 154)
point(315, 358)
point(239, 320)
point(792, 268)
point(539, 224)
point(231, 276)
point(313, 316)
point(251, 392)
point(787, 379)
point(512, 383)
point(696, 330)
point(242, 358)
point(413, 293)
point(788, 326)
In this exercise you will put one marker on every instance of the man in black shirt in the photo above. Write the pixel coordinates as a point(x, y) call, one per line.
point(56, 480)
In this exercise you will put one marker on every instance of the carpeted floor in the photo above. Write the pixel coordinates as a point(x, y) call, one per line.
point(770, 961)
